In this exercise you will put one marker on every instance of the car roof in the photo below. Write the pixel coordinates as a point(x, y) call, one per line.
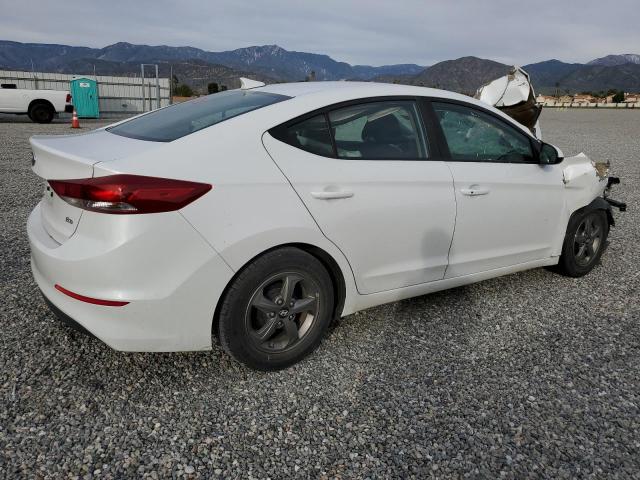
point(373, 89)
point(327, 93)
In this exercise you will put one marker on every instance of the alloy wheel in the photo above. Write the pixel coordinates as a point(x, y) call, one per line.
point(587, 240)
point(281, 311)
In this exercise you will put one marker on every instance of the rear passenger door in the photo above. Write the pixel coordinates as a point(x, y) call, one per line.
point(509, 205)
point(370, 178)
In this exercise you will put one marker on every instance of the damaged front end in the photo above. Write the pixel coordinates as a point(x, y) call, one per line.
point(513, 94)
point(614, 203)
point(587, 180)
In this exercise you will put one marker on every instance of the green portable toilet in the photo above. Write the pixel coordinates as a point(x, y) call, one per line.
point(84, 93)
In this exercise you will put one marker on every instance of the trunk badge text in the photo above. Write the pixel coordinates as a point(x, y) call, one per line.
point(68, 220)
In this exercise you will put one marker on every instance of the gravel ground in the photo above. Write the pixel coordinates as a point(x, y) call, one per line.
point(530, 375)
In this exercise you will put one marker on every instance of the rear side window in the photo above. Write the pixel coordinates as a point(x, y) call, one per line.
point(389, 130)
point(385, 130)
point(475, 136)
point(311, 135)
point(182, 119)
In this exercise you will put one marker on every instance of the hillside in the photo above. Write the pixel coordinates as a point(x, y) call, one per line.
point(463, 75)
point(575, 77)
point(546, 74)
point(613, 60)
point(268, 60)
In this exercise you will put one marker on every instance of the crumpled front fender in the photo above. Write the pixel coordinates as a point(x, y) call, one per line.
point(584, 181)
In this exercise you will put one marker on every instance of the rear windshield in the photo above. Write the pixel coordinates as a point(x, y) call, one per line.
point(182, 119)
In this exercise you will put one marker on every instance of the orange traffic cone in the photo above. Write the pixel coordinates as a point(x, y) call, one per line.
point(75, 123)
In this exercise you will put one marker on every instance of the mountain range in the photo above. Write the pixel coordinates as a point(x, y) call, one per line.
point(612, 60)
point(467, 74)
point(271, 63)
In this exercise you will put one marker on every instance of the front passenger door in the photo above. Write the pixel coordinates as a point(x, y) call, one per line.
point(509, 206)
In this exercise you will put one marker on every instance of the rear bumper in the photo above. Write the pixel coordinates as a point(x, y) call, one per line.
point(66, 319)
point(68, 108)
point(171, 278)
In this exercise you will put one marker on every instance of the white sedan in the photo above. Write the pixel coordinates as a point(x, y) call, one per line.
point(259, 215)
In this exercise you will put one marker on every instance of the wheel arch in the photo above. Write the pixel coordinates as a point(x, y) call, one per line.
point(333, 269)
point(40, 101)
point(597, 203)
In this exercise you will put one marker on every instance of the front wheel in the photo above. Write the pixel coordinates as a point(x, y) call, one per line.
point(584, 243)
point(277, 310)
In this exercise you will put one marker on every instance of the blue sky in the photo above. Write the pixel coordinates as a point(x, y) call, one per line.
point(359, 32)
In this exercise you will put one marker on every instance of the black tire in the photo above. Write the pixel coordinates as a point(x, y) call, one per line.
point(584, 242)
point(41, 113)
point(277, 310)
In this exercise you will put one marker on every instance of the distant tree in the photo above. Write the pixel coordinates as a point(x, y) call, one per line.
point(183, 90)
point(212, 88)
point(618, 97)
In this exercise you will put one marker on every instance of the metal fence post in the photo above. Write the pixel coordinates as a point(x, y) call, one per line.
point(170, 84)
point(142, 89)
point(157, 86)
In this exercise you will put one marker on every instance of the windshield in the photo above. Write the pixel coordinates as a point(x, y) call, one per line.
point(178, 120)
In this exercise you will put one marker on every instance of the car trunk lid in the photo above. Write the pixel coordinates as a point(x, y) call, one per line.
point(68, 157)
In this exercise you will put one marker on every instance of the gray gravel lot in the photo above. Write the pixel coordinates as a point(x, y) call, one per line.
point(529, 375)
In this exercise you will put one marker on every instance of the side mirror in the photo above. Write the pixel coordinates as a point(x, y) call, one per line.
point(549, 155)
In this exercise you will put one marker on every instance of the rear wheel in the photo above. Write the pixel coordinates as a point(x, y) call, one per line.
point(584, 243)
point(277, 310)
point(41, 113)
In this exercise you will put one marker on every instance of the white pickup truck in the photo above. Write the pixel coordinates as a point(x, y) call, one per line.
point(40, 105)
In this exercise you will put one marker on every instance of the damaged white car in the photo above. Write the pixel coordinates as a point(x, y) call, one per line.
point(259, 215)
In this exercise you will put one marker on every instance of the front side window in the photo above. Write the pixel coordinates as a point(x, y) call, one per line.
point(472, 135)
point(178, 120)
point(388, 130)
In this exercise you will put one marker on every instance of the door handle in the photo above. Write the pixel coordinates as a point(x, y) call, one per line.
point(330, 195)
point(474, 191)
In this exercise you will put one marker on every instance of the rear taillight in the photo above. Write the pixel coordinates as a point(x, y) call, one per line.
point(68, 98)
point(129, 194)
